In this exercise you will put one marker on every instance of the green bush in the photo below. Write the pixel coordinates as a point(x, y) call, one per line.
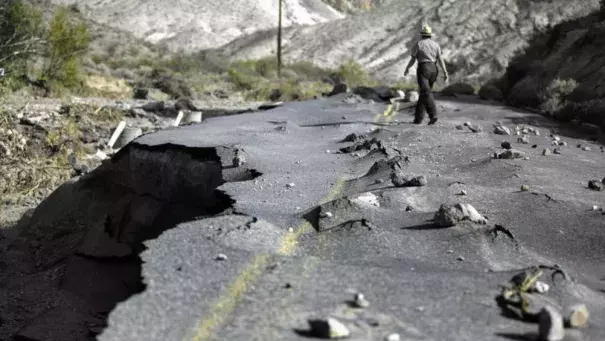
point(67, 42)
point(554, 98)
point(354, 74)
point(21, 29)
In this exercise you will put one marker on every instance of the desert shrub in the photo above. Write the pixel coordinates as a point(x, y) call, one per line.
point(242, 80)
point(554, 97)
point(173, 86)
point(405, 86)
point(67, 42)
point(354, 74)
point(308, 70)
point(21, 30)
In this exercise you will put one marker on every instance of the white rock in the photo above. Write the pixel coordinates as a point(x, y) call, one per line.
point(556, 138)
point(393, 337)
point(221, 256)
point(327, 215)
point(360, 301)
point(290, 185)
point(578, 316)
point(329, 328)
point(472, 214)
point(367, 199)
point(541, 287)
point(551, 325)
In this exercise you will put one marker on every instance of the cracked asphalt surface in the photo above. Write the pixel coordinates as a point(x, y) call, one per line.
point(423, 282)
point(409, 270)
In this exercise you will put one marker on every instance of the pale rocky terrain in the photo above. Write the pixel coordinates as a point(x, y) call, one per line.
point(195, 24)
point(478, 37)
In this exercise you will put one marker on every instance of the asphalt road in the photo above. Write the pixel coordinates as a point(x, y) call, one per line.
point(284, 264)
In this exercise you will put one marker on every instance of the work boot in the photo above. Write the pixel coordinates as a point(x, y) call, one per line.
point(433, 121)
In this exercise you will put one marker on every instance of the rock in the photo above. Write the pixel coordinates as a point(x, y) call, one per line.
point(219, 93)
point(502, 130)
point(360, 301)
point(392, 337)
point(556, 138)
point(524, 188)
point(185, 104)
point(596, 185)
point(339, 88)
point(451, 215)
point(511, 154)
point(546, 152)
point(490, 92)
point(577, 316)
point(291, 185)
point(562, 143)
point(475, 128)
point(458, 89)
point(154, 107)
point(329, 328)
point(239, 160)
point(327, 215)
point(557, 151)
point(412, 96)
point(461, 259)
point(523, 140)
point(551, 325)
point(275, 95)
point(379, 181)
point(140, 93)
point(221, 257)
point(463, 192)
point(586, 148)
point(541, 287)
point(398, 179)
point(534, 146)
point(367, 93)
point(35, 119)
point(459, 127)
point(419, 181)
point(506, 145)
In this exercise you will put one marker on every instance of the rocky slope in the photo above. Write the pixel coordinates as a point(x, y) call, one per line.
point(191, 24)
point(478, 37)
point(570, 52)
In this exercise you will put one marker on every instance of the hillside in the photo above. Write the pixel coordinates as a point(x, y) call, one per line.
point(478, 37)
point(562, 72)
point(191, 24)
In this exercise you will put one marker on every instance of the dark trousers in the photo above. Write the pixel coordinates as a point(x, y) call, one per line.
point(427, 75)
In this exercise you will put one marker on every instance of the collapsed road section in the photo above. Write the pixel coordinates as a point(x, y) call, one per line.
point(320, 219)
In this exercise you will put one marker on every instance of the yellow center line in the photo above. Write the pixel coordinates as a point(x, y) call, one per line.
point(227, 302)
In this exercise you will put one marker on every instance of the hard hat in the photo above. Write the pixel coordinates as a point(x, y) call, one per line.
point(426, 30)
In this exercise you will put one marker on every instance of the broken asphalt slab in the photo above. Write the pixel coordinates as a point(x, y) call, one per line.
point(425, 282)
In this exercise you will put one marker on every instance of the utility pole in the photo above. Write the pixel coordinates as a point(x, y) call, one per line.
point(279, 40)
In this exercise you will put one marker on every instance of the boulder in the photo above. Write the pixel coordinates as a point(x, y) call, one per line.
point(339, 88)
point(412, 96)
point(502, 130)
point(491, 92)
point(458, 89)
point(140, 93)
point(551, 325)
point(448, 216)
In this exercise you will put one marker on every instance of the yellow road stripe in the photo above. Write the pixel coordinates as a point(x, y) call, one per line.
point(233, 294)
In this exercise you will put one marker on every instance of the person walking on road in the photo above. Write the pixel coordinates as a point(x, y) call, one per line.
point(427, 52)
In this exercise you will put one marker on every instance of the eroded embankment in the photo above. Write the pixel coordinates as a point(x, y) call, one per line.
point(77, 254)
